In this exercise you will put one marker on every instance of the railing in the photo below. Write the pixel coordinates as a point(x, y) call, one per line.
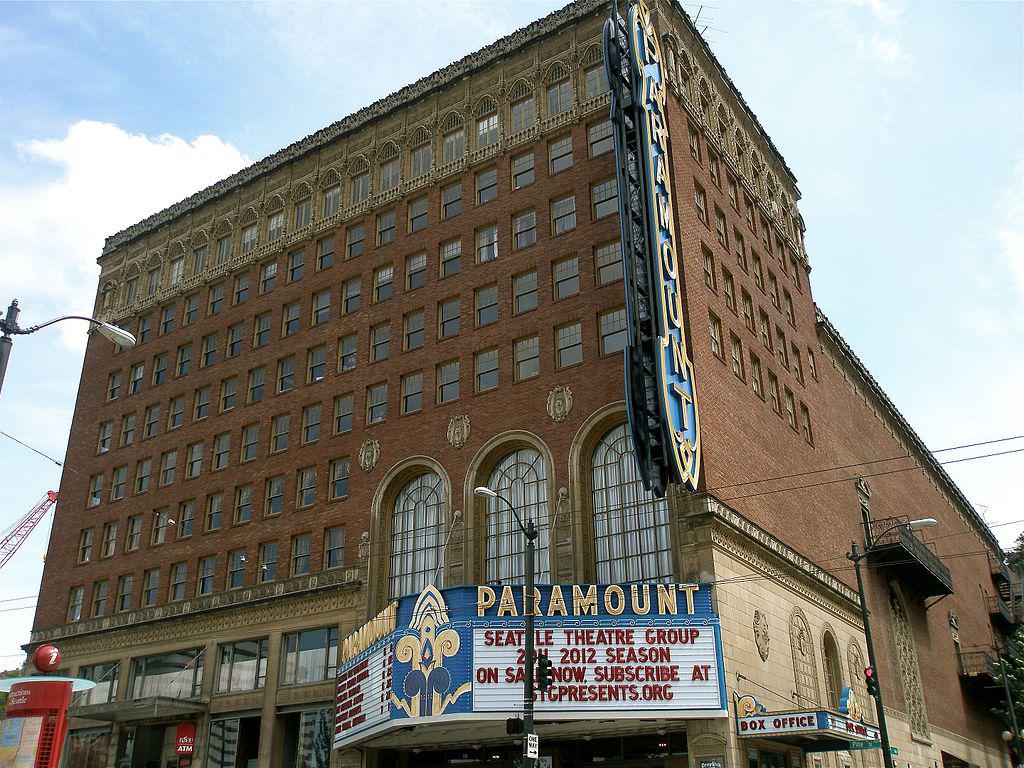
point(977, 664)
point(1000, 571)
point(895, 532)
point(997, 607)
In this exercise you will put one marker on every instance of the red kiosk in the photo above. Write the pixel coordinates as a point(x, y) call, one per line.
point(35, 723)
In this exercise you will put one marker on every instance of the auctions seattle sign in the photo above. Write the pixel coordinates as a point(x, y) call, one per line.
point(635, 650)
point(660, 391)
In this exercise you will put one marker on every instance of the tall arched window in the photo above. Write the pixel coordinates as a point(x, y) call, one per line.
point(910, 672)
point(631, 533)
point(805, 670)
point(521, 477)
point(833, 670)
point(417, 535)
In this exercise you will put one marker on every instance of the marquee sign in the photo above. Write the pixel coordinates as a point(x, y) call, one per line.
point(753, 721)
point(660, 390)
point(632, 650)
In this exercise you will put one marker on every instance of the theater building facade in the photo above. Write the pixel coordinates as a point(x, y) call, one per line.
point(275, 520)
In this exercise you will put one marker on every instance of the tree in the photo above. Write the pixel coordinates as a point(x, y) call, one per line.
point(1015, 554)
point(1013, 663)
point(19, 672)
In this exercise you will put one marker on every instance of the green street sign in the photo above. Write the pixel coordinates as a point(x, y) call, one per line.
point(865, 744)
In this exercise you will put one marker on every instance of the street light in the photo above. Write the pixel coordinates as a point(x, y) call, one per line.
point(855, 555)
point(9, 327)
point(530, 532)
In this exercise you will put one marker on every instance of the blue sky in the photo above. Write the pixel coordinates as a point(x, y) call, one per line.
point(904, 124)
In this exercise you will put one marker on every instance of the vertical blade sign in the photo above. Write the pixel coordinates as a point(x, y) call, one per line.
point(660, 391)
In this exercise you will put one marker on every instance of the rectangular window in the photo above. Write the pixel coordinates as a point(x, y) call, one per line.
point(330, 201)
point(486, 301)
point(418, 214)
point(486, 130)
point(524, 291)
point(316, 363)
point(255, 389)
point(608, 263)
point(310, 656)
point(805, 424)
point(241, 290)
point(560, 154)
point(280, 426)
point(487, 244)
point(302, 545)
point(243, 666)
point(765, 329)
point(448, 381)
point(274, 495)
point(600, 138)
point(325, 253)
point(565, 275)
point(250, 442)
point(311, 416)
point(275, 226)
point(186, 518)
point(167, 320)
point(221, 450)
point(133, 540)
point(700, 199)
point(344, 405)
point(787, 299)
point(261, 330)
point(305, 493)
point(736, 352)
point(207, 569)
point(168, 466)
point(798, 368)
point(811, 364)
point(755, 260)
point(296, 266)
point(451, 257)
point(730, 185)
point(415, 271)
point(214, 510)
point(85, 545)
point(569, 345)
point(286, 373)
point(773, 290)
point(790, 409)
point(354, 241)
point(191, 309)
point(176, 588)
point(125, 591)
point(486, 370)
point(377, 403)
point(739, 248)
point(153, 281)
point(380, 342)
point(720, 230)
point(385, 228)
point(729, 290)
point(715, 331)
point(176, 412)
point(158, 532)
point(559, 97)
point(451, 200)
point(114, 385)
point(448, 315)
point(780, 347)
point(268, 277)
point(421, 160)
point(339, 478)
point(613, 330)
point(453, 145)
point(215, 299)
point(347, 353)
point(117, 483)
point(563, 214)
point(748, 310)
point(109, 539)
point(99, 600)
point(713, 171)
point(135, 380)
point(486, 185)
point(412, 325)
point(604, 198)
point(756, 380)
point(268, 562)
point(694, 139)
point(360, 187)
point(223, 250)
point(77, 597)
point(290, 319)
point(522, 170)
point(321, 307)
point(201, 404)
point(412, 392)
point(200, 257)
point(128, 429)
point(383, 278)
point(389, 174)
point(209, 354)
point(334, 547)
point(524, 229)
point(523, 114)
point(773, 393)
point(95, 491)
point(595, 81)
point(184, 359)
point(351, 295)
point(527, 358)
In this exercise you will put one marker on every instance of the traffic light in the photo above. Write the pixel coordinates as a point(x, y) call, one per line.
point(871, 681)
point(514, 726)
point(544, 678)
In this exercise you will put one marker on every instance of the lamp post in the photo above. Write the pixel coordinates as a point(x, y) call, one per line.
point(855, 555)
point(529, 530)
point(9, 327)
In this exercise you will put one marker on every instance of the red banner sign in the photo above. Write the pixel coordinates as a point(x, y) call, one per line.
point(184, 738)
point(38, 698)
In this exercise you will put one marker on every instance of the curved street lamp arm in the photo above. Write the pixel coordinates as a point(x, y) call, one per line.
point(519, 521)
point(34, 328)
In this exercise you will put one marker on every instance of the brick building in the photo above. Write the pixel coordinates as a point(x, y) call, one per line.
point(337, 344)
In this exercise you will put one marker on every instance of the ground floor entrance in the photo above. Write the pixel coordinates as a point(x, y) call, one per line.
point(667, 750)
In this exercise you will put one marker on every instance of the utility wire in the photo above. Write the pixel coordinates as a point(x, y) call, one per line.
point(36, 450)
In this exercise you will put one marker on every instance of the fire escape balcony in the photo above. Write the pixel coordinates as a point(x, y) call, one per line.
point(1001, 614)
point(894, 545)
point(1002, 578)
point(978, 666)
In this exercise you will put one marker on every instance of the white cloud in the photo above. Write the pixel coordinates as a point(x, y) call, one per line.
point(885, 51)
point(94, 181)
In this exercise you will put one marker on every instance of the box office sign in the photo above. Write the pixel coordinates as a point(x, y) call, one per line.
point(635, 650)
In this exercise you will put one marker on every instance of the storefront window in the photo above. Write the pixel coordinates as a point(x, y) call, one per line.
point(176, 675)
point(223, 744)
point(310, 656)
point(314, 739)
point(105, 676)
point(243, 666)
point(88, 748)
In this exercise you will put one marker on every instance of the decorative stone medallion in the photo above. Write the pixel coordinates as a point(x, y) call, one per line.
point(559, 403)
point(761, 636)
point(458, 430)
point(369, 454)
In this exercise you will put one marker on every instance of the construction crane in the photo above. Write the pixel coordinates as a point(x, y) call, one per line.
point(15, 536)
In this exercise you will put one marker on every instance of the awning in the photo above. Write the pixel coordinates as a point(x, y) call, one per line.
point(818, 730)
point(151, 708)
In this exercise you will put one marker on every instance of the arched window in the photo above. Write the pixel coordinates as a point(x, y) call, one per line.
point(631, 533)
point(521, 477)
point(910, 672)
point(833, 670)
point(417, 535)
point(805, 670)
